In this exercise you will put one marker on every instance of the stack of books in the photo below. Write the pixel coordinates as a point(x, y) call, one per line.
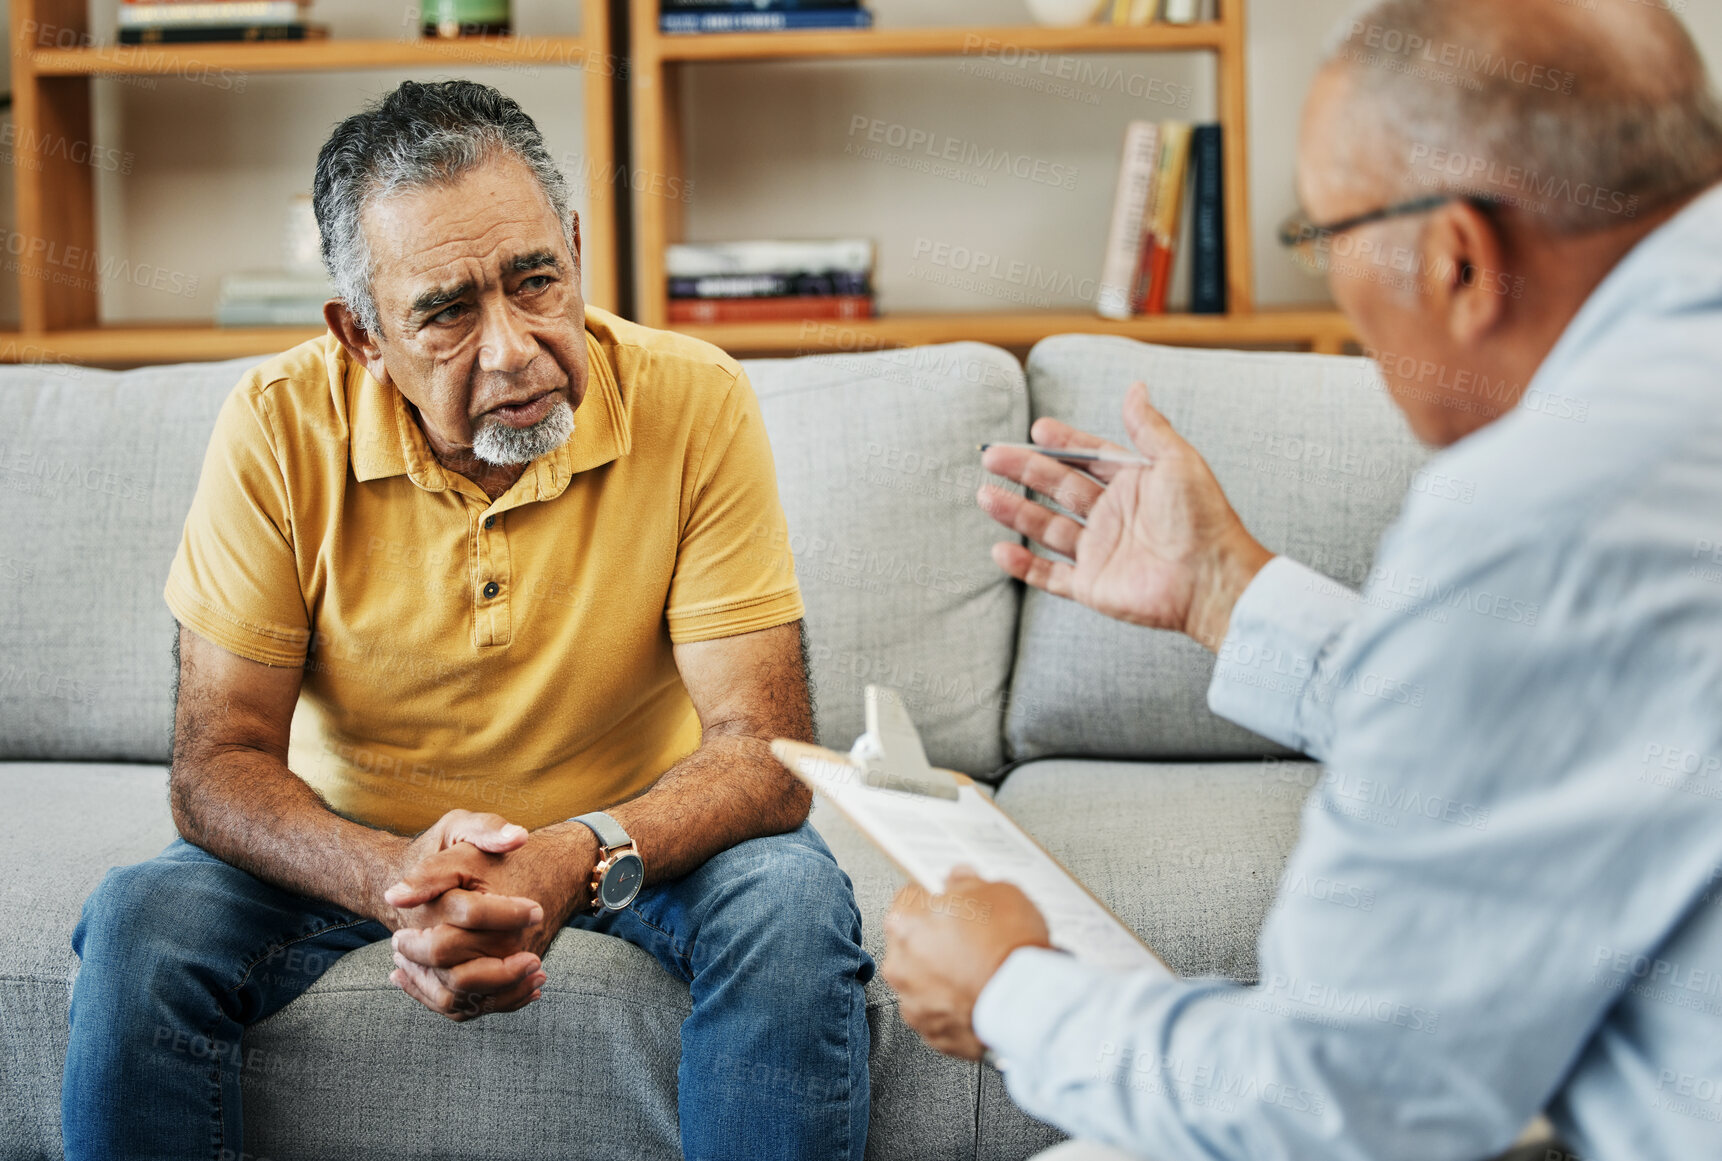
point(696, 16)
point(197, 21)
point(735, 282)
point(273, 298)
point(1161, 163)
point(1141, 12)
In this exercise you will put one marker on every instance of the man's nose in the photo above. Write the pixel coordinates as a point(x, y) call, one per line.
point(506, 344)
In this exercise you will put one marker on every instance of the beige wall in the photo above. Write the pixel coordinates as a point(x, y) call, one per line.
point(775, 150)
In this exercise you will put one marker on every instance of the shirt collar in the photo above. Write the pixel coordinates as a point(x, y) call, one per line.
point(386, 440)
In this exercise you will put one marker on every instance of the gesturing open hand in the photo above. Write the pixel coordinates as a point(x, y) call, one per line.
point(1158, 546)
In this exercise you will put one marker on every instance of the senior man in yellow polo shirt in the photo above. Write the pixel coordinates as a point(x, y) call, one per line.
point(479, 639)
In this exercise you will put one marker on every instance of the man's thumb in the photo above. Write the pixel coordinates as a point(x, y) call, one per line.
point(487, 832)
point(1150, 431)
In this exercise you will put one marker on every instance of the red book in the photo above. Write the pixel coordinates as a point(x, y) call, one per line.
point(738, 310)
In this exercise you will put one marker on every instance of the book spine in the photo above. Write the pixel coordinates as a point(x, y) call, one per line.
point(1130, 205)
point(786, 285)
point(1168, 212)
point(1183, 11)
point(752, 5)
point(735, 310)
point(216, 33)
point(241, 12)
point(1208, 240)
point(678, 23)
point(733, 259)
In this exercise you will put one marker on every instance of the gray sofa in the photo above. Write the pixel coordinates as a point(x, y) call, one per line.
point(1097, 734)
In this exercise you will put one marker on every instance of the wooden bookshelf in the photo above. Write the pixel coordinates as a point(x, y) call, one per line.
point(56, 201)
point(657, 60)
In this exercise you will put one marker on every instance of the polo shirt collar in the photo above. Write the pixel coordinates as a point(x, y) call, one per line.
point(386, 441)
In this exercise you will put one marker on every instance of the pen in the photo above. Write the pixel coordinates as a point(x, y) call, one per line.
point(1079, 455)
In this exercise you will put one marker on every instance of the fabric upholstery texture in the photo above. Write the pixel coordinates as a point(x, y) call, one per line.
point(97, 469)
point(1189, 855)
point(1315, 458)
point(878, 469)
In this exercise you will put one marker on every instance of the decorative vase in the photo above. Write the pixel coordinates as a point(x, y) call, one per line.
point(451, 18)
point(1063, 13)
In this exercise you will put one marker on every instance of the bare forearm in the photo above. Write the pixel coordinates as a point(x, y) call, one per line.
point(246, 808)
point(728, 791)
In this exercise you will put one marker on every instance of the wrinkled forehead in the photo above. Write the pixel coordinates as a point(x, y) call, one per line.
point(488, 221)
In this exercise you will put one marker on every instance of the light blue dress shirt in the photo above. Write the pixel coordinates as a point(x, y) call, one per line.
point(1507, 894)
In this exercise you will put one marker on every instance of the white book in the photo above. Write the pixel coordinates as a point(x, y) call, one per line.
point(1132, 207)
point(715, 259)
point(1183, 11)
point(175, 14)
point(928, 836)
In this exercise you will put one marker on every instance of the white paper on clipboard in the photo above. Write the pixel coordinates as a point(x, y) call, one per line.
point(928, 837)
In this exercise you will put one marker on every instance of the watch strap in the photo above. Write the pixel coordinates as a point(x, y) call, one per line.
point(609, 831)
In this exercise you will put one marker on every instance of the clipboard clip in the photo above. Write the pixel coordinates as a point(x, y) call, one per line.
point(890, 752)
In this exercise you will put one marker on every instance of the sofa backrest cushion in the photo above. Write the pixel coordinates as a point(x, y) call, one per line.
point(878, 468)
point(1315, 458)
point(97, 469)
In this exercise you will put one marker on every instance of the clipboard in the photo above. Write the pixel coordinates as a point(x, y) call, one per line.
point(927, 821)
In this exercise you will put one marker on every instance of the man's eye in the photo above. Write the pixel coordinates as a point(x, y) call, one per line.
point(449, 313)
point(537, 282)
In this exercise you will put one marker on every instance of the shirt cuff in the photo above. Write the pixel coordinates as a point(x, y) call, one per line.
point(1281, 626)
point(1012, 1016)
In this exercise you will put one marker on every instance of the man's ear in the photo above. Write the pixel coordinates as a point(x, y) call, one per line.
point(1465, 271)
point(358, 341)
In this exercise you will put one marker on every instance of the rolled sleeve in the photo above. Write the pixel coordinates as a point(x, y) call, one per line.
point(1283, 626)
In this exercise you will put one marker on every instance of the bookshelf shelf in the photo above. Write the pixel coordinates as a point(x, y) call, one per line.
point(656, 69)
point(59, 317)
point(1323, 331)
point(313, 56)
point(905, 42)
point(171, 342)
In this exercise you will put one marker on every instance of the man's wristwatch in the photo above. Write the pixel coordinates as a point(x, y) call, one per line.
point(620, 872)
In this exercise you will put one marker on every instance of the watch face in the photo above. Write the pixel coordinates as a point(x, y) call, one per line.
point(622, 881)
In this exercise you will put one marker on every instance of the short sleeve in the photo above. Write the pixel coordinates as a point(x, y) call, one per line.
point(234, 580)
point(735, 572)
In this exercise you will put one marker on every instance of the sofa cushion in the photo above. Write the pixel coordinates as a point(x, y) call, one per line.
point(1315, 458)
point(1189, 855)
point(595, 1061)
point(97, 469)
point(878, 468)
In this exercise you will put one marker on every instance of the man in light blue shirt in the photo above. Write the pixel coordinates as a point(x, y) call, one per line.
point(1540, 829)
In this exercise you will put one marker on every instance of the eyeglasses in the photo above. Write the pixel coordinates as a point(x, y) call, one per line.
point(1310, 244)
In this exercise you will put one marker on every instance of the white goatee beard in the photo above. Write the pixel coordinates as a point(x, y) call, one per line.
point(500, 445)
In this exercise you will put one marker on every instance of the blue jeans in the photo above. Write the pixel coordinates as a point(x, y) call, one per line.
point(188, 950)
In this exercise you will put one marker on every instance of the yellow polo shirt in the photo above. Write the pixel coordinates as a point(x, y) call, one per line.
point(511, 656)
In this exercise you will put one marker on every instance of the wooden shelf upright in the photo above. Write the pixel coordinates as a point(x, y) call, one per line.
point(658, 140)
point(54, 63)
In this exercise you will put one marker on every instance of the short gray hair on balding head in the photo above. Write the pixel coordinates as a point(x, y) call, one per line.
point(1524, 103)
point(418, 136)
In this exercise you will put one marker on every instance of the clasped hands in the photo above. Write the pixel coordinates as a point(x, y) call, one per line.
point(474, 908)
point(1158, 546)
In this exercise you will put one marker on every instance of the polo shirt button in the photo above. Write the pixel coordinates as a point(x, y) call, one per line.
point(489, 521)
point(491, 589)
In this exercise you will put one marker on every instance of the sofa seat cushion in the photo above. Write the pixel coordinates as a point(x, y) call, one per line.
point(1313, 455)
point(1189, 855)
point(356, 1068)
point(877, 468)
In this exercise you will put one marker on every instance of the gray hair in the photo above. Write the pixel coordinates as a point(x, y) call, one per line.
point(418, 136)
point(1480, 98)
